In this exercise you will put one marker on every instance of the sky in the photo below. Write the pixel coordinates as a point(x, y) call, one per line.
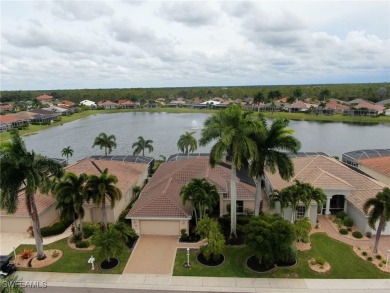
point(133, 44)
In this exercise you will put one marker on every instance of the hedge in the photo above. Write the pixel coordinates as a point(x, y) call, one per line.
point(82, 244)
point(56, 228)
point(357, 234)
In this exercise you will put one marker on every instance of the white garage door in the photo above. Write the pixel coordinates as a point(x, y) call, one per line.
point(159, 227)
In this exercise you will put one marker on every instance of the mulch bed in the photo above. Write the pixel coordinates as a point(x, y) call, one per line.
point(211, 262)
point(73, 245)
point(319, 268)
point(253, 263)
point(109, 265)
point(33, 262)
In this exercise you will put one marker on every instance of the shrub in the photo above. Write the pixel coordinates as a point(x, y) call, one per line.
point(313, 262)
point(341, 215)
point(357, 234)
point(76, 238)
point(368, 234)
point(384, 262)
point(364, 253)
point(343, 231)
point(305, 239)
point(349, 229)
point(26, 253)
point(55, 254)
point(378, 256)
point(89, 229)
point(183, 235)
point(380, 265)
point(348, 221)
point(339, 222)
point(369, 258)
point(82, 244)
point(320, 260)
point(56, 228)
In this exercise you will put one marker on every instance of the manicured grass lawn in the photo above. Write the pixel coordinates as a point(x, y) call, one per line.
point(75, 261)
point(344, 262)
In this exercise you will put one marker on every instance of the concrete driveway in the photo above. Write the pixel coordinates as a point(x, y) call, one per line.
point(10, 240)
point(153, 255)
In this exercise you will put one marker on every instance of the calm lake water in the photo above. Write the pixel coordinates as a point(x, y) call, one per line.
point(165, 128)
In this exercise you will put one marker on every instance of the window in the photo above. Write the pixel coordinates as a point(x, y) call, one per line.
point(301, 212)
point(240, 206)
point(224, 195)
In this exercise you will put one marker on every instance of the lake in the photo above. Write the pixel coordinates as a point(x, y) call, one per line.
point(165, 129)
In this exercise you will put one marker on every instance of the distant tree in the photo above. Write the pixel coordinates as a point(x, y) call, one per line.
point(378, 209)
point(274, 94)
point(258, 98)
point(187, 142)
point(106, 142)
point(381, 93)
point(67, 152)
point(141, 145)
point(36, 104)
point(297, 93)
point(324, 94)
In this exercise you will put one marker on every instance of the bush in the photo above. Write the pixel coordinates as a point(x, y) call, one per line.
point(82, 244)
point(320, 260)
point(26, 253)
point(349, 229)
point(368, 234)
point(313, 262)
point(378, 256)
point(341, 215)
point(348, 222)
point(343, 231)
point(76, 238)
point(56, 228)
point(369, 258)
point(357, 234)
point(183, 235)
point(364, 253)
point(122, 216)
point(55, 254)
point(339, 222)
point(384, 262)
point(89, 229)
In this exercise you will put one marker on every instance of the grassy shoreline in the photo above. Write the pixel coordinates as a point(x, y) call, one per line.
point(291, 116)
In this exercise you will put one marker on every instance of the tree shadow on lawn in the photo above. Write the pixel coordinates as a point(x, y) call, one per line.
point(344, 262)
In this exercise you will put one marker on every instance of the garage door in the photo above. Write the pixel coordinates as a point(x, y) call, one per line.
point(160, 227)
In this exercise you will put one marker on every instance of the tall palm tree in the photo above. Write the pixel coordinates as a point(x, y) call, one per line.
point(378, 208)
point(70, 196)
point(272, 144)
point(106, 142)
point(187, 142)
point(201, 194)
point(102, 188)
point(21, 169)
point(141, 145)
point(231, 128)
point(67, 152)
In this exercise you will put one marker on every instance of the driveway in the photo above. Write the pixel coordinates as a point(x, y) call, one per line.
point(10, 240)
point(153, 255)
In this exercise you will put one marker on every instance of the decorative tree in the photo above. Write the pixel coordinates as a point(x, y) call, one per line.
point(106, 142)
point(187, 142)
point(209, 228)
point(108, 243)
point(67, 152)
point(141, 145)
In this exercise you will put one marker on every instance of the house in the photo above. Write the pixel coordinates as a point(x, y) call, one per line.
point(337, 108)
point(7, 122)
point(58, 110)
point(128, 104)
point(346, 190)
point(159, 209)
point(376, 167)
point(66, 103)
point(129, 174)
point(6, 108)
point(363, 107)
point(298, 107)
point(44, 98)
point(41, 116)
point(108, 105)
point(88, 103)
point(383, 103)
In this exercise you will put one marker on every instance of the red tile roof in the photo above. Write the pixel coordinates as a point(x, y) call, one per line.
point(103, 103)
point(329, 174)
point(160, 197)
point(9, 119)
point(44, 97)
point(6, 107)
point(67, 103)
point(370, 106)
point(379, 164)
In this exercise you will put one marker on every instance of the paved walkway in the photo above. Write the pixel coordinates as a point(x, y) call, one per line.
point(384, 242)
point(208, 284)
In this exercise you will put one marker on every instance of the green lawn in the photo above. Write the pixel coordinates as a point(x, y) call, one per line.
point(344, 262)
point(75, 261)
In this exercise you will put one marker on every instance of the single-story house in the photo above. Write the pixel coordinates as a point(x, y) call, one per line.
point(108, 105)
point(346, 189)
point(66, 103)
point(129, 174)
point(8, 122)
point(43, 116)
point(88, 103)
point(299, 106)
point(378, 168)
point(159, 209)
point(337, 108)
point(383, 102)
point(128, 104)
point(6, 108)
point(58, 110)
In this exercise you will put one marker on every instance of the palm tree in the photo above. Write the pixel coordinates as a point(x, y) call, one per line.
point(67, 152)
point(378, 208)
point(187, 143)
point(106, 142)
point(100, 188)
point(70, 197)
point(272, 144)
point(232, 128)
point(277, 196)
point(201, 194)
point(141, 145)
point(21, 169)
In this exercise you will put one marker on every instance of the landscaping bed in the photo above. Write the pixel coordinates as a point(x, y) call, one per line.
point(368, 255)
point(52, 256)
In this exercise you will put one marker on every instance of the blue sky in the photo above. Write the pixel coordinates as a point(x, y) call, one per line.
point(125, 44)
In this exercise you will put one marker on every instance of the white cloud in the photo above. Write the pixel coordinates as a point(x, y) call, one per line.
point(81, 10)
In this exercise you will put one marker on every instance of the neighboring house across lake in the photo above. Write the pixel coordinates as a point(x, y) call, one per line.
point(6, 108)
point(129, 174)
point(45, 98)
point(88, 103)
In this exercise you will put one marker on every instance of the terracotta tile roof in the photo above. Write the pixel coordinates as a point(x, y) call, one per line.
point(44, 97)
point(298, 105)
point(104, 103)
point(23, 115)
point(160, 197)
point(67, 103)
point(379, 164)
point(334, 105)
point(126, 172)
point(42, 202)
point(370, 106)
point(328, 173)
point(6, 107)
point(9, 119)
